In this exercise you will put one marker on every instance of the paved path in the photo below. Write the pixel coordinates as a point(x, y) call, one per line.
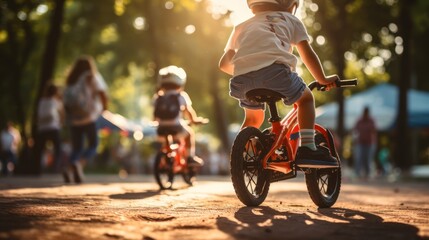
point(107, 207)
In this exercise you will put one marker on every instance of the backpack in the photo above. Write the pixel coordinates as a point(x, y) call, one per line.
point(167, 107)
point(78, 99)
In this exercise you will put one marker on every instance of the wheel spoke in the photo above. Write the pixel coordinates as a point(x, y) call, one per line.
point(250, 180)
point(249, 186)
point(249, 157)
point(323, 183)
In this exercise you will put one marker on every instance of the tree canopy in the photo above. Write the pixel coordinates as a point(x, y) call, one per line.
point(131, 39)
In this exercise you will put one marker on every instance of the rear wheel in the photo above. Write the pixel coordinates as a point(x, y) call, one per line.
point(250, 180)
point(163, 170)
point(323, 185)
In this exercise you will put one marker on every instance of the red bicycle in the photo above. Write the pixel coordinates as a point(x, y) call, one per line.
point(259, 158)
point(170, 161)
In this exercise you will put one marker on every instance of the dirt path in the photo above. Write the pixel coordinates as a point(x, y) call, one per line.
point(106, 207)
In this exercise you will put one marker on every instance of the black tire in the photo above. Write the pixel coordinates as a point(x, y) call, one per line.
point(250, 180)
point(163, 170)
point(323, 185)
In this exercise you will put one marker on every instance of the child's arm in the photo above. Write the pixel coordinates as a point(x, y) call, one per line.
point(192, 115)
point(225, 63)
point(312, 62)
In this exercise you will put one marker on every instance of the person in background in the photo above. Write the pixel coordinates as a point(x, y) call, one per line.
point(171, 105)
point(50, 120)
point(10, 140)
point(365, 132)
point(85, 98)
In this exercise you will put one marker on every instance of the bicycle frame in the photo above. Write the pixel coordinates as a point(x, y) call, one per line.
point(287, 134)
point(175, 151)
point(172, 158)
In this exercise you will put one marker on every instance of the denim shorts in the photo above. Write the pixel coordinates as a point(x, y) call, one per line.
point(277, 77)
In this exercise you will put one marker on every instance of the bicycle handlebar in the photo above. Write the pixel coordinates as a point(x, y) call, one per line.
point(347, 83)
point(202, 121)
point(338, 83)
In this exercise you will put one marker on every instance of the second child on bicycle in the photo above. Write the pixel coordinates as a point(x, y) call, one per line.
point(171, 104)
point(259, 54)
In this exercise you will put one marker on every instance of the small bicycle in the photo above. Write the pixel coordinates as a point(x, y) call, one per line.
point(170, 161)
point(259, 158)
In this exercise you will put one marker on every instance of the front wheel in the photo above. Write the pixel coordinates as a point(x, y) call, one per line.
point(163, 170)
point(324, 185)
point(251, 182)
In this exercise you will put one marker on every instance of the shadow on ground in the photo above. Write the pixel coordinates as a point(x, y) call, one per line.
point(135, 195)
point(22, 212)
point(331, 223)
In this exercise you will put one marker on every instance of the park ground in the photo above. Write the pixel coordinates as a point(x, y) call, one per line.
point(110, 207)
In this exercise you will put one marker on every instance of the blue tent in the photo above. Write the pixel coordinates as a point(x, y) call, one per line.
point(116, 122)
point(383, 103)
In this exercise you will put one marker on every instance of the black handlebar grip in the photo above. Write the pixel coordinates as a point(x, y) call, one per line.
point(346, 83)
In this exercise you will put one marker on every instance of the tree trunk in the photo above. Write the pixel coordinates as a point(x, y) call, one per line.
point(48, 66)
point(221, 120)
point(17, 69)
point(340, 100)
point(339, 51)
point(151, 21)
point(403, 158)
point(18, 65)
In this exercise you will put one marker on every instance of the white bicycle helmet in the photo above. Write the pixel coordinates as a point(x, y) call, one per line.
point(172, 74)
point(284, 3)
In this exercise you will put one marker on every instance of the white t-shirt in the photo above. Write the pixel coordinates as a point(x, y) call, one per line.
point(49, 114)
point(98, 85)
point(10, 139)
point(264, 39)
point(184, 100)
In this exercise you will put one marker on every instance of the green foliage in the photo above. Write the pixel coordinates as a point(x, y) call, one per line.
point(132, 39)
point(365, 34)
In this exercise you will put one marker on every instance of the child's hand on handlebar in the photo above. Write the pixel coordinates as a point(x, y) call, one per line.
point(330, 82)
point(200, 120)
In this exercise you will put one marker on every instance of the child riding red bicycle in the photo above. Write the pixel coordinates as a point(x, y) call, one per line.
point(259, 54)
point(172, 104)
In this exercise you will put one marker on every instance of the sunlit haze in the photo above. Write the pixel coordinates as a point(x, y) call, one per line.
point(239, 9)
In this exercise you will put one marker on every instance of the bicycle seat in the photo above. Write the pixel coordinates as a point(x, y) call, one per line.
point(264, 95)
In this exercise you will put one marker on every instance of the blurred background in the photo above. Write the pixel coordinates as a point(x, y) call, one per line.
point(381, 42)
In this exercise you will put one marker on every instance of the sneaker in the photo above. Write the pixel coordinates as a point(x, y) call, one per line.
point(321, 158)
point(167, 185)
point(77, 172)
point(195, 161)
point(66, 176)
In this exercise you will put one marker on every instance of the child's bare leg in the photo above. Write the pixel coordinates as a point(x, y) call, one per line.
point(306, 110)
point(253, 118)
point(308, 155)
point(190, 141)
point(192, 159)
point(306, 119)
